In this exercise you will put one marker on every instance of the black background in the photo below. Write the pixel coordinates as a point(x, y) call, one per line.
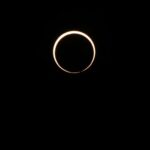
point(43, 94)
point(33, 75)
point(94, 84)
point(41, 101)
point(33, 31)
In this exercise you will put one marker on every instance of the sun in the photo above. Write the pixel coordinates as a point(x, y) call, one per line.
point(64, 35)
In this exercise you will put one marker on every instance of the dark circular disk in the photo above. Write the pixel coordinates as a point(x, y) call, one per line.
point(74, 53)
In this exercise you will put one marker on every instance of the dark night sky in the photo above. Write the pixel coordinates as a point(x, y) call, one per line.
point(36, 28)
point(43, 93)
point(40, 98)
point(94, 22)
point(33, 31)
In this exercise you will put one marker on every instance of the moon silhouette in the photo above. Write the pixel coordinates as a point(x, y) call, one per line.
point(62, 36)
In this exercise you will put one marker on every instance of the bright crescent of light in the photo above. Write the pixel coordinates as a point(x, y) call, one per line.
point(67, 34)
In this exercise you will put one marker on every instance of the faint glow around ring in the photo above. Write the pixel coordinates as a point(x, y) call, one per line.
point(72, 33)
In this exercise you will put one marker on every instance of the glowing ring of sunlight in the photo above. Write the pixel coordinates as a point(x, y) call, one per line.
point(72, 33)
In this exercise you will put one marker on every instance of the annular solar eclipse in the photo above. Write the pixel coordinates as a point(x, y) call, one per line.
point(70, 33)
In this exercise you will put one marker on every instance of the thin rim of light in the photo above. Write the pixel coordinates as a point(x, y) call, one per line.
point(72, 33)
